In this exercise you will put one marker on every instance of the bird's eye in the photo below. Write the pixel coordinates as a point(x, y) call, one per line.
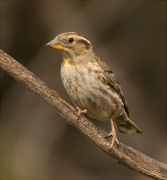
point(71, 40)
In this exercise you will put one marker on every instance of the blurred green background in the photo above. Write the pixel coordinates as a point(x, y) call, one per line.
point(130, 36)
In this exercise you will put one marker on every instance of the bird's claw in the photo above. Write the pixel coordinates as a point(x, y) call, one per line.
point(114, 138)
point(113, 134)
point(81, 111)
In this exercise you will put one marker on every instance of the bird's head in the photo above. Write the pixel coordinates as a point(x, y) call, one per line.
point(71, 45)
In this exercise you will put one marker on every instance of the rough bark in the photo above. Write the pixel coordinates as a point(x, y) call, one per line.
point(125, 155)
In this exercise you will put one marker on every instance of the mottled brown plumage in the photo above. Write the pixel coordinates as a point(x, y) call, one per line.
point(91, 85)
point(111, 78)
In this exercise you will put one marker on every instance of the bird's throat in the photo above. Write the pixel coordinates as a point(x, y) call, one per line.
point(66, 62)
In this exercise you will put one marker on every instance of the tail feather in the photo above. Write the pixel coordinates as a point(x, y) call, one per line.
point(125, 125)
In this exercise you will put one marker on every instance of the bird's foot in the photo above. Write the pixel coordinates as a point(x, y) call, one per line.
point(114, 138)
point(81, 111)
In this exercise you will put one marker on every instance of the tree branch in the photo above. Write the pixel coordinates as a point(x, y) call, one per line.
point(125, 155)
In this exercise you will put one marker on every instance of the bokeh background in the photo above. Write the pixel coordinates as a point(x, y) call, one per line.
point(130, 36)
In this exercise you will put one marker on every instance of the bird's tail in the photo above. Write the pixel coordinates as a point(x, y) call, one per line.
point(125, 125)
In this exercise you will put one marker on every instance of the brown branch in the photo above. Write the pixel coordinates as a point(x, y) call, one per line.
point(125, 155)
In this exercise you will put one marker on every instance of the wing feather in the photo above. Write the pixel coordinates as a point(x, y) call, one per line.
point(111, 79)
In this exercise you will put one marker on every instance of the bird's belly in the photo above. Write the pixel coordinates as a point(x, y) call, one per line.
point(87, 90)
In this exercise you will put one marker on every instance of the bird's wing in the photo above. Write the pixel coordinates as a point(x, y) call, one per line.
point(110, 79)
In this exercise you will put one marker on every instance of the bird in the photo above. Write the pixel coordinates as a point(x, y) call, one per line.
point(91, 84)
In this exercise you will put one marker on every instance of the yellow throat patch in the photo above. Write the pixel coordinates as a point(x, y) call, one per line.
point(66, 62)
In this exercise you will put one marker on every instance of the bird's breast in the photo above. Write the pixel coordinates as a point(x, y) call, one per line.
point(86, 88)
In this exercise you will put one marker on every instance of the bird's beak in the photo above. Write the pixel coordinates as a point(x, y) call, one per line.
point(56, 44)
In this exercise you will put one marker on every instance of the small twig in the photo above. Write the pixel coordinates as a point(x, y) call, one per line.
point(125, 155)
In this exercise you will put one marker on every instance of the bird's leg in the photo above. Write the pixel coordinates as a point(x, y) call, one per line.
point(113, 134)
point(81, 111)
